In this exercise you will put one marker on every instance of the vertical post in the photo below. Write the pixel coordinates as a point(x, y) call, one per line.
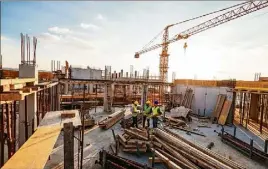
point(8, 130)
point(104, 159)
point(68, 145)
point(262, 107)
point(243, 110)
point(2, 137)
point(153, 158)
point(38, 107)
point(234, 131)
point(251, 148)
point(222, 132)
point(265, 146)
point(83, 126)
point(96, 94)
point(26, 119)
point(15, 125)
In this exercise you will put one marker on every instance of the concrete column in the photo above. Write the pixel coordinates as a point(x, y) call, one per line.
point(66, 88)
point(91, 88)
point(27, 71)
point(107, 100)
point(58, 96)
point(144, 94)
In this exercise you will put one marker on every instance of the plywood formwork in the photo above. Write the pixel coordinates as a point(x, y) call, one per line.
point(35, 152)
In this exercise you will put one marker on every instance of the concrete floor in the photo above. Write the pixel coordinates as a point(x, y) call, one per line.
point(97, 139)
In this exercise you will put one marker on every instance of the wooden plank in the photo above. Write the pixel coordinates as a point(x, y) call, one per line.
point(4, 88)
point(220, 106)
point(35, 151)
point(16, 86)
point(16, 81)
point(67, 114)
point(10, 96)
point(225, 111)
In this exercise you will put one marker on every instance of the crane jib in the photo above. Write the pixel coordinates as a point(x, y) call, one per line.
point(242, 10)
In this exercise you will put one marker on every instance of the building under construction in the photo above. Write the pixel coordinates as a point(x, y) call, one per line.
point(71, 117)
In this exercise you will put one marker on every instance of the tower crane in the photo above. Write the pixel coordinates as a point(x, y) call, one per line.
point(241, 9)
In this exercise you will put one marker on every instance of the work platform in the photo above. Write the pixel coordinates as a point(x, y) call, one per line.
point(35, 152)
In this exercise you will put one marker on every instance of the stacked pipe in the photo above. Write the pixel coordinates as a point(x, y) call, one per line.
point(177, 153)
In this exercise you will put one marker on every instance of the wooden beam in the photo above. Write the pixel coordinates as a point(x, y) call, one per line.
point(16, 81)
point(4, 88)
point(11, 96)
point(16, 86)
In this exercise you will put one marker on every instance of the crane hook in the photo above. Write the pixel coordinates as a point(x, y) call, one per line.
point(185, 46)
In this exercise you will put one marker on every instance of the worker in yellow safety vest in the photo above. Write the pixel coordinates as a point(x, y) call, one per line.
point(135, 112)
point(147, 111)
point(156, 112)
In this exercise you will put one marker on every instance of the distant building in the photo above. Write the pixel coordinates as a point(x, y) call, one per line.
point(83, 74)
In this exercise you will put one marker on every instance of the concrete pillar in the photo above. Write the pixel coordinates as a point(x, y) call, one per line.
point(58, 96)
point(144, 94)
point(66, 86)
point(27, 71)
point(107, 100)
point(91, 88)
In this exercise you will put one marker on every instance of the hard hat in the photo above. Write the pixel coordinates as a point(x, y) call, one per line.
point(148, 102)
point(156, 102)
point(136, 102)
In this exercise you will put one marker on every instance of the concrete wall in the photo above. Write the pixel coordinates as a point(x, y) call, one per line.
point(205, 98)
point(78, 73)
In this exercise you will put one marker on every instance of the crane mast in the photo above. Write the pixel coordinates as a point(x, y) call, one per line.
point(243, 9)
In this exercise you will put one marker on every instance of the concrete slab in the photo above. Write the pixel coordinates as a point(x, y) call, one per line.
point(54, 118)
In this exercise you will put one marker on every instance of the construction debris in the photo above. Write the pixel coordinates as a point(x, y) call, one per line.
point(112, 119)
point(180, 112)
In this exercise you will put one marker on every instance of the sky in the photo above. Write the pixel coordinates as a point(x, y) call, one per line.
point(95, 34)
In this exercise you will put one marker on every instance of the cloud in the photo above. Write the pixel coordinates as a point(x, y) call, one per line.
point(49, 37)
point(89, 26)
point(60, 31)
point(4, 38)
point(100, 17)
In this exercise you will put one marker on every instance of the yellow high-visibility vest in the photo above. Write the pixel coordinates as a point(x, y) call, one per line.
point(147, 110)
point(134, 110)
point(155, 111)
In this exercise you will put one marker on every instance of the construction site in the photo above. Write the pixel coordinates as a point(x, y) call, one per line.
point(72, 117)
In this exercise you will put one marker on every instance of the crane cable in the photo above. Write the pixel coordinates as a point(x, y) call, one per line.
point(192, 20)
point(210, 13)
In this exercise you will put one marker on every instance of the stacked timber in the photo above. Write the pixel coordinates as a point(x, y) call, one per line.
point(177, 153)
point(134, 140)
point(112, 119)
point(188, 98)
point(173, 150)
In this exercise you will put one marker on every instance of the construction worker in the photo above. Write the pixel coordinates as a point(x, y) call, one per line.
point(156, 112)
point(146, 113)
point(135, 112)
